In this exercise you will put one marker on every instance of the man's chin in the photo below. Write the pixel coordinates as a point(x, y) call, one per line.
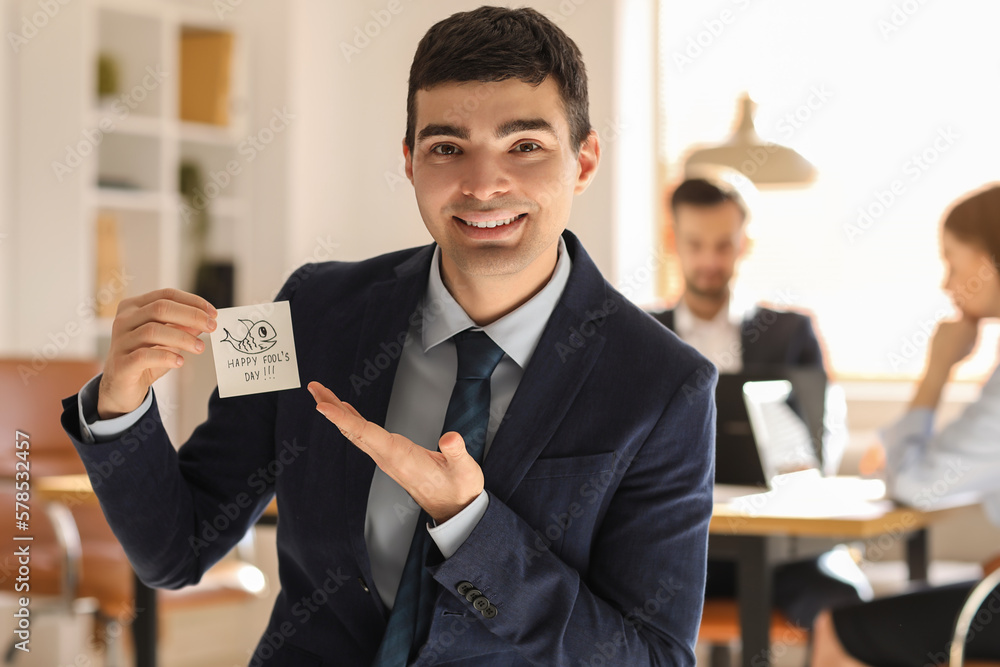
point(714, 293)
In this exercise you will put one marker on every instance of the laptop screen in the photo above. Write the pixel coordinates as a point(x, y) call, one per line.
point(768, 423)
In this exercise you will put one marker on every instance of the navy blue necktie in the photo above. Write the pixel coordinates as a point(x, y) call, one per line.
point(469, 414)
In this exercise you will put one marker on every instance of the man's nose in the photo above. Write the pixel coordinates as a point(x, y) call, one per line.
point(485, 177)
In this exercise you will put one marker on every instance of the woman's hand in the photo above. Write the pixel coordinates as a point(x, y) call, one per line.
point(952, 342)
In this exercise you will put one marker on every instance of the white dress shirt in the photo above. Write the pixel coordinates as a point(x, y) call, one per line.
point(924, 468)
point(421, 391)
point(718, 339)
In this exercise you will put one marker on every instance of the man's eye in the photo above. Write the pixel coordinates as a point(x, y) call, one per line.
point(444, 149)
point(527, 147)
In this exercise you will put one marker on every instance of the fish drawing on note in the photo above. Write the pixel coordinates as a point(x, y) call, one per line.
point(260, 337)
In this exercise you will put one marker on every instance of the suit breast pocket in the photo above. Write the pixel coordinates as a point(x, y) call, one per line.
point(561, 499)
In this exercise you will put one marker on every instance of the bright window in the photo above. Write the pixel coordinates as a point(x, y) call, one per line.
point(875, 94)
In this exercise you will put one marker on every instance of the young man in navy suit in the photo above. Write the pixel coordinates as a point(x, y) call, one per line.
point(710, 238)
point(581, 537)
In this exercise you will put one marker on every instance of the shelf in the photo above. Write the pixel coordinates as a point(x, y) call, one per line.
point(127, 200)
point(133, 124)
point(223, 207)
point(205, 133)
point(134, 43)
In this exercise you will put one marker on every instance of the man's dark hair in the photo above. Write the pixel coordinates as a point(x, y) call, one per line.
point(702, 192)
point(495, 44)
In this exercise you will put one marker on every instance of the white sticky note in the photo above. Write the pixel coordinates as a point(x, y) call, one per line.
point(254, 350)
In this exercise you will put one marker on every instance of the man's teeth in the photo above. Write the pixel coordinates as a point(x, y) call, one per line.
point(491, 223)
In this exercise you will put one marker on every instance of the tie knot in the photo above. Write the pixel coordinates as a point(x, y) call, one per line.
point(478, 355)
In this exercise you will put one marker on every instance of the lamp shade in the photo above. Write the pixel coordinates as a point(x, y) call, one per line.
point(763, 162)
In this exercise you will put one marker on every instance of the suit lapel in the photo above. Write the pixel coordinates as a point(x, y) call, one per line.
point(543, 397)
point(557, 371)
point(390, 305)
point(750, 350)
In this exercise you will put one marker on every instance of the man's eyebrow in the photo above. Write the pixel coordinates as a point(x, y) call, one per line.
point(443, 131)
point(524, 125)
point(502, 130)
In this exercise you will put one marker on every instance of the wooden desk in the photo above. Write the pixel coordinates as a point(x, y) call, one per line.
point(750, 530)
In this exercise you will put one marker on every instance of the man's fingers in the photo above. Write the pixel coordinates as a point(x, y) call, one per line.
point(348, 421)
point(155, 334)
point(191, 330)
point(145, 358)
point(191, 319)
point(180, 296)
point(452, 445)
point(350, 407)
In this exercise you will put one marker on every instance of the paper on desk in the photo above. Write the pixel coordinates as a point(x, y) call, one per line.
point(806, 494)
point(254, 350)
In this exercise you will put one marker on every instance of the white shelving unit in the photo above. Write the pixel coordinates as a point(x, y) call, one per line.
point(81, 157)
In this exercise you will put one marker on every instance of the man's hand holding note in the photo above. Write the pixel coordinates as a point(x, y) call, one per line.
point(148, 335)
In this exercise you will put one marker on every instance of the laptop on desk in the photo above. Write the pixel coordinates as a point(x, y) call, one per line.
point(769, 422)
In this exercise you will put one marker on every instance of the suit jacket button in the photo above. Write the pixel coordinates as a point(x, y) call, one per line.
point(490, 611)
point(472, 594)
point(481, 603)
point(464, 587)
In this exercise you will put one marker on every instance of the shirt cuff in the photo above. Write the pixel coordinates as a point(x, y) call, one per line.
point(453, 533)
point(915, 427)
point(97, 430)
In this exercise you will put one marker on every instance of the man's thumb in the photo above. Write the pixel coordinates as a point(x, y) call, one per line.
point(452, 445)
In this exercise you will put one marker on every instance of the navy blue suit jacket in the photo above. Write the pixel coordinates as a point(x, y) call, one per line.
point(771, 338)
point(593, 548)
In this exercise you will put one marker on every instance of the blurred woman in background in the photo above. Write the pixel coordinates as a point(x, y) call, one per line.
point(922, 467)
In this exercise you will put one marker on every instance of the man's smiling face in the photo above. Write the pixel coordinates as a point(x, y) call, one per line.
point(495, 184)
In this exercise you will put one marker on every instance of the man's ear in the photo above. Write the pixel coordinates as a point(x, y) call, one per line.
point(587, 161)
point(746, 243)
point(407, 161)
point(670, 237)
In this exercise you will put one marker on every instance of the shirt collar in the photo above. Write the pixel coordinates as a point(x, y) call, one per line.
point(734, 313)
point(517, 333)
